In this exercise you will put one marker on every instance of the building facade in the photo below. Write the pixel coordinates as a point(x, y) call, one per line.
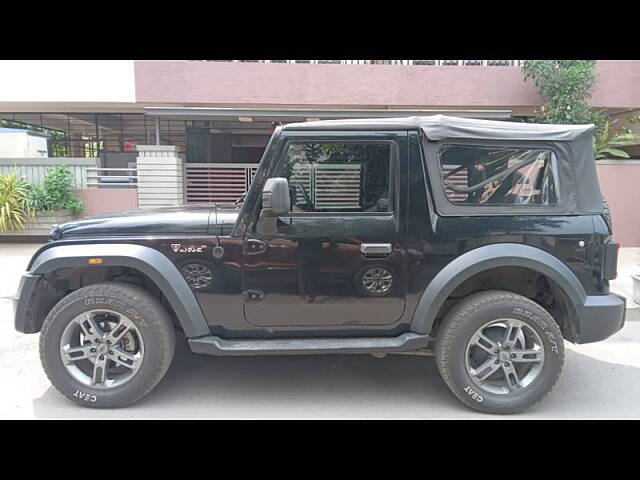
point(205, 124)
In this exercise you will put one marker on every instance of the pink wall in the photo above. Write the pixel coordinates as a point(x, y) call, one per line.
point(249, 84)
point(105, 200)
point(620, 184)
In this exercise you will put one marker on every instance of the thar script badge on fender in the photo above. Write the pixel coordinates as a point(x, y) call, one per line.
point(178, 248)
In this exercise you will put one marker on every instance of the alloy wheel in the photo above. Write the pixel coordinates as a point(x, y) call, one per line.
point(504, 356)
point(102, 349)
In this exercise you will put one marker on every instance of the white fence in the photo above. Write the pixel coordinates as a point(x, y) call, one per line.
point(34, 169)
point(112, 177)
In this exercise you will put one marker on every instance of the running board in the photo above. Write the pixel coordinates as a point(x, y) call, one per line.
point(211, 345)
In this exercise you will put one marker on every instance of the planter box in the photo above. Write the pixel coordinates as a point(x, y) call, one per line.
point(636, 288)
point(41, 223)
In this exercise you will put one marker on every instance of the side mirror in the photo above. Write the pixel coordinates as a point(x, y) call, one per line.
point(275, 202)
point(275, 198)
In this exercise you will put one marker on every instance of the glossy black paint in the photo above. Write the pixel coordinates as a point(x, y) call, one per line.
point(186, 219)
point(302, 282)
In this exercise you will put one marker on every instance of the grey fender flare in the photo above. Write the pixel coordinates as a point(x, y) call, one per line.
point(484, 258)
point(151, 262)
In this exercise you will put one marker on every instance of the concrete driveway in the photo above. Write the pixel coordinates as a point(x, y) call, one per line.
point(600, 380)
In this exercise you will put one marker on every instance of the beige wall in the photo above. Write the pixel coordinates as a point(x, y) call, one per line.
point(620, 184)
point(106, 200)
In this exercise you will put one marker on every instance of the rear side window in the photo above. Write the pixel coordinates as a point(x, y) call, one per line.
point(475, 175)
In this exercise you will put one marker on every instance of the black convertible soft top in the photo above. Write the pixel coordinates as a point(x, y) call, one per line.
point(572, 144)
point(437, 127)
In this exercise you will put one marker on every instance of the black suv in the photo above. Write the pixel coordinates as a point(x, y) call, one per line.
point(483, 242)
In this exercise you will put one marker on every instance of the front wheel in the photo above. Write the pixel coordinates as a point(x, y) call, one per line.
point(499, 352)
point(107, 345)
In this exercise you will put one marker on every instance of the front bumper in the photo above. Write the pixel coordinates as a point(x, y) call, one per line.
point(600, 317)
point(25, 304)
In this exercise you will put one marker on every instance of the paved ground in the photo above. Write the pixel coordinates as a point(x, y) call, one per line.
point(628, 264)
point(600, 380)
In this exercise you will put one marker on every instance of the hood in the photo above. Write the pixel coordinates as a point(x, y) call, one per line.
point(184, 219)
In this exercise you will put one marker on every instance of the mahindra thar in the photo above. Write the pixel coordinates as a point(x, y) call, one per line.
point(483, 243)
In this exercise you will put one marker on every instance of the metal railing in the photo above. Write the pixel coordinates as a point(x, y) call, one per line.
point(330, 186)
point(98, 177)
point(217, 182)
point(461, 63)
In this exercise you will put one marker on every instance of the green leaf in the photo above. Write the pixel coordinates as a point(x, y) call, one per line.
point(617, 153)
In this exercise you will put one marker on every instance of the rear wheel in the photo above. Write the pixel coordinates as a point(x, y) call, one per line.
point(499, 352)
point(107, 345)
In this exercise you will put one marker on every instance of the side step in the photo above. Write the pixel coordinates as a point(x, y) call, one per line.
point(211, 345)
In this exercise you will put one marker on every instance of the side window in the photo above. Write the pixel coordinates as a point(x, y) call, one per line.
point(474, 175)
point(338, 176)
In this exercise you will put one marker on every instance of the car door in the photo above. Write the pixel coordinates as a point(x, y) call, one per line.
point(338, 258)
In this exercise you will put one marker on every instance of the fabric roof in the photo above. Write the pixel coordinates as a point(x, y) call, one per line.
point(438, 127)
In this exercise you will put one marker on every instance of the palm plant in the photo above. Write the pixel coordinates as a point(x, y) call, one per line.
point(14, 208)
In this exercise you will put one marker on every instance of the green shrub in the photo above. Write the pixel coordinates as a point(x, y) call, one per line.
point(566, 87)
point(56, 193)
point(36, 197)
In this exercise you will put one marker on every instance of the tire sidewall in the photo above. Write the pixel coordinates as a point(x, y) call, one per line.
point(534, 316)
point(148, 324)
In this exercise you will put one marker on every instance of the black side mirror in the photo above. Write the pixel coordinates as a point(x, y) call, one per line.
point(275, 202)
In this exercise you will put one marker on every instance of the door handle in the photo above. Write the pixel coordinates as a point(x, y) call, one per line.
point(254, 246)
point(375, 249)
